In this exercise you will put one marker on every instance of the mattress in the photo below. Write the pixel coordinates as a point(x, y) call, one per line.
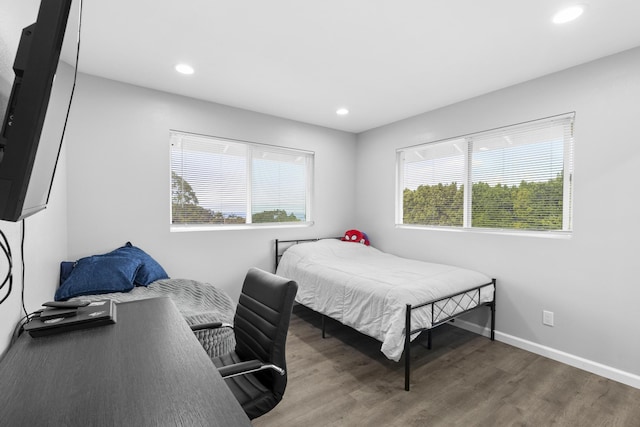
point(367, 289)
point(198, 302)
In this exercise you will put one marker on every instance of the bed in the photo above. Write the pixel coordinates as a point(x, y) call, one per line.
point(198, 302)
point(384, 296)
point(128, 273)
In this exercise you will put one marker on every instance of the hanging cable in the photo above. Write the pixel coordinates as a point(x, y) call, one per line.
point(8, 279)
point(23, 269)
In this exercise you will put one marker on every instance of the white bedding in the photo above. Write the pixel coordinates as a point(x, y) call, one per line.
point(368, 290)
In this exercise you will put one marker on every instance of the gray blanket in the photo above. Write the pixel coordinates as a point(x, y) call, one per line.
point(198, 302)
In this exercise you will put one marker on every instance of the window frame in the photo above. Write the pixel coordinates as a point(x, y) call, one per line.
point(251, 147)
point(568, 182)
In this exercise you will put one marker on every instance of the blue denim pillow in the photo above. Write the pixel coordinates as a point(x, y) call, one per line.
point(99, 274)
point(66, 267)
point(149, 271)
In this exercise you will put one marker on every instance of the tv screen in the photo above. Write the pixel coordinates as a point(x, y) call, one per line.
point(38, 60)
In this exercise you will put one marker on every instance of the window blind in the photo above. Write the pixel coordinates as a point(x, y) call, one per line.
point(219, 181)
point(515, 177)
point(434, 177)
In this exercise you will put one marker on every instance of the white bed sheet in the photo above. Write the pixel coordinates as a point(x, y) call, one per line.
point(368, 290)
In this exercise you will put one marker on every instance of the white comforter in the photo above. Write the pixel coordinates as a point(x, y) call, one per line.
point(368, 290)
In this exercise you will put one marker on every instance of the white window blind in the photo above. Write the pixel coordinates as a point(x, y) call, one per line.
point(217, 181)
point(517, 177)
point(433, 177)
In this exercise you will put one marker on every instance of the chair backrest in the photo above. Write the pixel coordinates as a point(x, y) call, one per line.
point(261, 323)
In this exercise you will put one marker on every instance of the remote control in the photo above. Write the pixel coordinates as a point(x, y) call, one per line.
point(66, 304)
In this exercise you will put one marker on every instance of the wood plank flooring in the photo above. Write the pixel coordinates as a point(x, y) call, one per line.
point(465, 380)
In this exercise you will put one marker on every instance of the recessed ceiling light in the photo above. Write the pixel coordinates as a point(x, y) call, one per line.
point(568, 14)
point(184, 69)
point(342, 111)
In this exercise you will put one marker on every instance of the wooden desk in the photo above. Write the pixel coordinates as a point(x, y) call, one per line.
point(148, 369)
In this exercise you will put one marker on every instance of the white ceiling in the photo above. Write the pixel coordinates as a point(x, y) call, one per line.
point(384, 60)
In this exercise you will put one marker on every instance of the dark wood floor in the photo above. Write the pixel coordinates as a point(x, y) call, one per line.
point(466, 380)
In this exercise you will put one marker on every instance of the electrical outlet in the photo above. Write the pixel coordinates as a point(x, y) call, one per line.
point(547, 317)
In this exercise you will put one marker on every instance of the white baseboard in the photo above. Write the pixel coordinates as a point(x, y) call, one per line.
point(614, 374)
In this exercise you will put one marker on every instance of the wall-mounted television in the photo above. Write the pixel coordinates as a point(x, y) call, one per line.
point(38, 63)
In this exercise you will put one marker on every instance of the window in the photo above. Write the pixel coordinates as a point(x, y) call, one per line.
point(513, 178)
point(220, 182)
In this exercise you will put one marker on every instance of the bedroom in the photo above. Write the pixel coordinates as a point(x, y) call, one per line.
point(111, 187)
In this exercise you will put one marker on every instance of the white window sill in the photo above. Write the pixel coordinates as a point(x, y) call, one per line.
point(528, 233)
point(174, 228)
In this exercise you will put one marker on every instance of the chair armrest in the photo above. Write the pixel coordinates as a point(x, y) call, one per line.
point(247, 367)
point(239, 368)
point(212, 325)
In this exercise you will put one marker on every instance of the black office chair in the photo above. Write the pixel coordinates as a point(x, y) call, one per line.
point(256, 371)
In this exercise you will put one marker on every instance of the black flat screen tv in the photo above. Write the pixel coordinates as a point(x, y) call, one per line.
point(35, 97)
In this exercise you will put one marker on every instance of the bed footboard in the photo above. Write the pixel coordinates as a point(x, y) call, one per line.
point(440, 313)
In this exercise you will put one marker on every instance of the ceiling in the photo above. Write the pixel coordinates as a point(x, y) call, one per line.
point(384, 60)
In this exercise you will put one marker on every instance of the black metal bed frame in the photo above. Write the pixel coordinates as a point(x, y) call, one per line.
point(440, 314)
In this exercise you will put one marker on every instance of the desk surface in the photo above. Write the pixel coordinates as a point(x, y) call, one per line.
point(148, 369)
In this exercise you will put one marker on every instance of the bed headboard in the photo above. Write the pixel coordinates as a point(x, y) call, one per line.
point(282, 245)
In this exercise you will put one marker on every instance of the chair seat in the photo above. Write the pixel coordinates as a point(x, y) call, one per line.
point(252, 395)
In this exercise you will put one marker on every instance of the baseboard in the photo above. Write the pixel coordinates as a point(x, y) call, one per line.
point(557, 355)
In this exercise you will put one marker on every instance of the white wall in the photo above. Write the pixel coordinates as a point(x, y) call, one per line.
point(117, 175)
point(45, 245)
point(10, 310)
point(118, 179)
point(588, 281)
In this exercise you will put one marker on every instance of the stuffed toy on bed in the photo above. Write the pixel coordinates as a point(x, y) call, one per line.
point(355, 236)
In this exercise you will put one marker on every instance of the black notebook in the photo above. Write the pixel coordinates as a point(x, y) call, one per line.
point(95, 314)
